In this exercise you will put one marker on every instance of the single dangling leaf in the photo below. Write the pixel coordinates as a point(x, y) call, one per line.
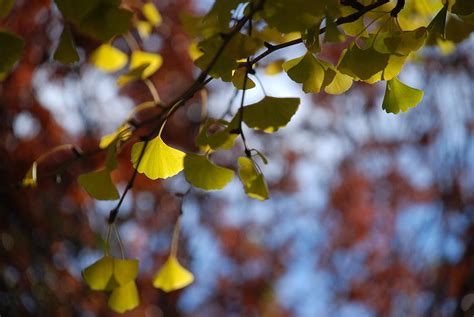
point(253, 181)
point(202, 173)
point(172, 276)
point(400, 97)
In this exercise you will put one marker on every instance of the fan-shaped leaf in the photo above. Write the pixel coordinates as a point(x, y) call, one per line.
point(124, 298)
point(172, 276)
point(253, 182)
point(108, 58)
point(204, 174)
point(400, 97)
point(99, 185)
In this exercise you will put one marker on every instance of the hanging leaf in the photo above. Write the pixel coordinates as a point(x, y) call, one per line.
point(66, 51)
point(338, 82)
point(108, 58)
point(306, 70)
point(99, 185)
point(270, 113)
point(159, 160)
point(124, 298)
point(140, 58)
point(202, 173)
point(108, 273)
point(152, 14)
point(123, 133)
point(172, 276)
point(253, 181)
point(400, 97)
point(12, 48)
point(362, 63)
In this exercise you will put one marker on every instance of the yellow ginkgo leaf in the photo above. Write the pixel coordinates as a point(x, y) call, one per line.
point(152, 14)
point(144, 29)
point(172, 276)
point(30, 179)
point(124, 298)
point(253, 181)
point(99, 275)
point(122, 133)
point(108, 273)
point(139, 58)
point(159, 160)
point(108, 58)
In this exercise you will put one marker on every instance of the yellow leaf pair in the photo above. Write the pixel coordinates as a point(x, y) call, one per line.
point(118, 276)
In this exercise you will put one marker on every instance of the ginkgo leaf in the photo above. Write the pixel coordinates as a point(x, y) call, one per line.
point(108, 273)
point(152, 14)
point(362, 63)
point(159, 160)
point(30, 179)
point(12, 47)
point(306, 70)
point(172, 276)
point(122, 134)
point(66, 51)
point(253, 181)
point(238, 79)
point(124, 298)
point(144, 29)
point(400, 97)
point(220, 139)
point(99, 185)
point(99, 275)
point(339, 83)
point(140, 58)
point(270, 113)
point(200, 172)
point(108, 58)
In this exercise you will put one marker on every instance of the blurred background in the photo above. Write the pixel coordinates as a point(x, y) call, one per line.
point(371, 214)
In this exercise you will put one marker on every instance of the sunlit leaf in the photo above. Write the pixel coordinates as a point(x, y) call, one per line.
point(159, 160)
point(11, 50)
point(124, 298)
point(99, 185)
point(30, 179)
point(108, 58)
point(140, 58)
point(270, 113)
point(144, 29)
point(306, 70)
point(108, 273)
point(122, 134)
point(339, 83)
point(253, 181)
point(172, 276)
point(152, 14)
point(400, 97)
point(100, 275)
point(202, 173)
point(66, 51)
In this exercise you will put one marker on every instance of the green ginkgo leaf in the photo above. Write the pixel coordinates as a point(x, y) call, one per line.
point(202, 173)
point(362, 63)
point(108, 58)
point(332, 34)
point(400, 97)
point(159, 160)
point(108, 272)
point(270, 113)
point(99, 185)
point(11, 47)
point(124, 298)
point(306, 70)
point(172, 276)
point(238, 79)
point(253, 181)
point(66, 51)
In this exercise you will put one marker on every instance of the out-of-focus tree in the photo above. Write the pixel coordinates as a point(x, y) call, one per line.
point(362, 241)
